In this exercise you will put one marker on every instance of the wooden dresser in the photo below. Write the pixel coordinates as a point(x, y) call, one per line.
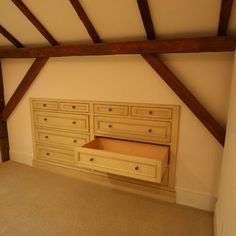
point(126, 146)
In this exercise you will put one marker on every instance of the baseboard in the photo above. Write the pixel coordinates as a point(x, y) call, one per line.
point(200, 200)
point(21, 157)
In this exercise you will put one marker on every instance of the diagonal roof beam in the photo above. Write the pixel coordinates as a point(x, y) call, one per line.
point(23, 86)
point(10, 37)
point(87, 23)
point(25, 10)
point(174, 83)
point(225, 11)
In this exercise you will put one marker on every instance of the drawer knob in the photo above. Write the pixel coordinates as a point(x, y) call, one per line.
point(91, 159)
point(46, 136)
point(136, 168)
point(110, 126)
point(110, 109)
point(73, 122)
point(150, 112)
point(150, 130)
point(48, 153)
point(45, 119)
point(44, 105)
point(73, 107)
point(75, 141)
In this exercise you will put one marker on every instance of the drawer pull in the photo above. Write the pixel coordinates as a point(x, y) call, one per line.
point(110, 126)
point(44, 105)
point(136, 168)
point(150, 112)
point(48, 153)
point(45, 119)
point(91, 159)
point(110, 109)
point(46, 136)
point(73, 122)
point(150, 130)
point(75, 141)
point(73, 107)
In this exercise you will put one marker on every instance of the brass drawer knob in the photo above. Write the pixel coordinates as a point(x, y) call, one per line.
point(110, 109)
point(150, 112)
point(48, 153)
point(73, 107)
point(44, 105)
point(110, 126)
point(73, 122)
point(91, 159)
point(45, 119)
point(75, 141)
point(46, 136)
point(136, 168)
point(150, 130)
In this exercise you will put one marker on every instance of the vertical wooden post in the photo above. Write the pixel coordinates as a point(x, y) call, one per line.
point(4, 144)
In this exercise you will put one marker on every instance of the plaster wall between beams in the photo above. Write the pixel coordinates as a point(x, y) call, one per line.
point(131, 79)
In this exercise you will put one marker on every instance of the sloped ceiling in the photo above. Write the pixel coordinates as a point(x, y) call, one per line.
point(113, 20)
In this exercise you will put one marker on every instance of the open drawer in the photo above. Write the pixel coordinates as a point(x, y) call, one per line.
point(127, 158)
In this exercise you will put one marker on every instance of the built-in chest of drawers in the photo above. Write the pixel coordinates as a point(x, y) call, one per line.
point(124, 143)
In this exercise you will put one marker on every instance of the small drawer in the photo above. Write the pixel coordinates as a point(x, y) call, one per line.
point(45, 105)
point(62, 121)
point(74, 107)
point(110, 109)
point(132, 159)
point(61, 138)
point(151, 112)
point(56, 155)
point(159, 131)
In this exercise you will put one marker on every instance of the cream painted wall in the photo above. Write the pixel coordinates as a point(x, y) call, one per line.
point(131, 79)
point(225, 215)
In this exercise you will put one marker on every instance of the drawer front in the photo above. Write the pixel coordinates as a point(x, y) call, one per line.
point(45, 105)
point(111, 109)
point(74, 107)
point(147, 130)
point(117, 166)
point(62, 121)
point(56, 155)
point(151, 112)
point(61, 138)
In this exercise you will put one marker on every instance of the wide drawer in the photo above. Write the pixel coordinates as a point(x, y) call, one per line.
point(132, 159)
point(57, 155)
point(61, 138)
point(62, 121)
point(151, 112)
point(45, 105)
point(74, 107)
point(110, 109)
point(130, 128)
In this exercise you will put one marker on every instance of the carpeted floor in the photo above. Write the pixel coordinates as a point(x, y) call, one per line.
point(35, 202)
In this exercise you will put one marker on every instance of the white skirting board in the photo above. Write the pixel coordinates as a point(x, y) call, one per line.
point(200, 200)
point(21, 157)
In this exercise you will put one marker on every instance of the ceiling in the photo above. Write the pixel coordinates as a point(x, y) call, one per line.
point(113, 20)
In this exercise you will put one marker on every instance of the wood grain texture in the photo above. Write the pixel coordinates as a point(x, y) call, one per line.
point(25, 10)
point(185, 45)
point(4, 143)
point(193, 104)
point(10, 37)
point(146, 18)
point(86, 21)
point(225, 11)
point(23, 86)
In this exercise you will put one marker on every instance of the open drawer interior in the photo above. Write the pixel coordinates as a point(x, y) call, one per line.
point(127, 158)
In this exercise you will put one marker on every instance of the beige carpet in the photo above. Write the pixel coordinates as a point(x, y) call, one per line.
point(35, 202)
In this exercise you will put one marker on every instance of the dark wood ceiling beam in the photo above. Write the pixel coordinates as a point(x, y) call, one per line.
point(23, 86)
point(146, 18)
point(86, 21)
point(25, 10)
point(225, 11)
point(193, 104)
point(186, 45)
point(10, 37)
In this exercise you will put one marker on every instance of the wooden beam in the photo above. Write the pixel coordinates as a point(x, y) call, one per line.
point(225, 10)
point(185, 45)
point(146, 18)
point(4, 144)
point(23, 86)
point(25, 10)
point(193, 104)
point(10, 37)
point(87, 23)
